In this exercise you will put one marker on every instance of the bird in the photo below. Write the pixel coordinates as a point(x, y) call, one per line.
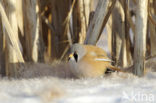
point(88, 61)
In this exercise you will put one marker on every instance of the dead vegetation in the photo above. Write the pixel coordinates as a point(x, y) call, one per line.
point(43, 30)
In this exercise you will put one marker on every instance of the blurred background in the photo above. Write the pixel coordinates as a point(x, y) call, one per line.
point(43, 30)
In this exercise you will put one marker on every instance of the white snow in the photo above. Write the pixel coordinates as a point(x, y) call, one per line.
point(116, 88)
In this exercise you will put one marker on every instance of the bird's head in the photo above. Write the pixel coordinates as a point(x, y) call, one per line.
point(76, 52)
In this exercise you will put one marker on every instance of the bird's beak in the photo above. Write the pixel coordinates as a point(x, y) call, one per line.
point(70, 56)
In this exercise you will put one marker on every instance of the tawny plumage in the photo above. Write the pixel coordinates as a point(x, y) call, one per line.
point(89, 61)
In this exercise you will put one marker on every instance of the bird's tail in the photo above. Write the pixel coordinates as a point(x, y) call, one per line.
point(113, 68)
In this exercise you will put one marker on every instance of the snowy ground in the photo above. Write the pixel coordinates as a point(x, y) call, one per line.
point(116, 88)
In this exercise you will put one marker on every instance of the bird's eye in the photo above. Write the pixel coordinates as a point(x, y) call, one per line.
point(75, 56)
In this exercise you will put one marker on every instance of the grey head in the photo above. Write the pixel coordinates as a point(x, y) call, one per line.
point(77, 51)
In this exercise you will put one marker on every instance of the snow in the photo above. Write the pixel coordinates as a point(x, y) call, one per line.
point(115, 88)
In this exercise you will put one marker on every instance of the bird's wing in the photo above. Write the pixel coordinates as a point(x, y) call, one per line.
point(98, 54)
point(102, 59)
